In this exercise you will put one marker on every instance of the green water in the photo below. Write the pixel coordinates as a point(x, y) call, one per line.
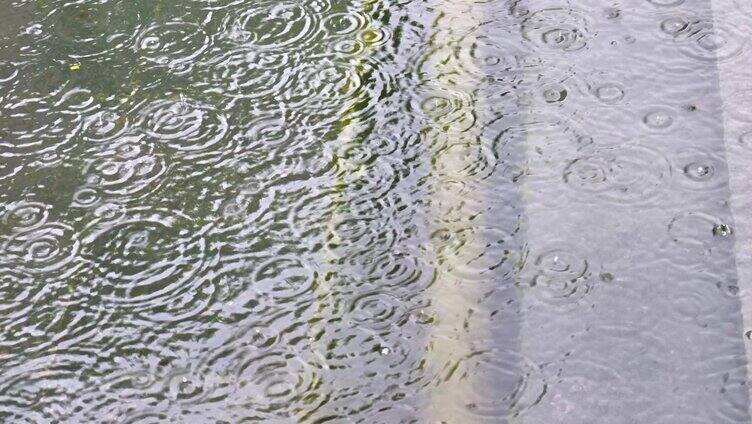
point(227, 211)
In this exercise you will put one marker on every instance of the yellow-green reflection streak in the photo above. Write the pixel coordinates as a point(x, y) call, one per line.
point(454, 302)
point(347, 132)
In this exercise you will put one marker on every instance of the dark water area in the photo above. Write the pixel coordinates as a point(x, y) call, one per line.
point(379, 211)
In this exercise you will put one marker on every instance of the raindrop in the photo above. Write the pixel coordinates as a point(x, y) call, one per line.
point(609, 93)
point(658, 119)
point(698, 171)
point(35, 29)
point(722, 230)
point(673, 26)
point(554, 95)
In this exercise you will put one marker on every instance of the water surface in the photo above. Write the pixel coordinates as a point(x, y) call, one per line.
point(381, 211)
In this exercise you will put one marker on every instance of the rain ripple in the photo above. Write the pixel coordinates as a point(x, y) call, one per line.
point(630, 173)
point(174, 45)
point(148, 260)
point(557, 29)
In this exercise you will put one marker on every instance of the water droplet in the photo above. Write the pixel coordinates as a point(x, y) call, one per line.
point(609, 93)
point(698, 171)
point(722, 230)
point(673, 26)
point(554, 95)
point(35, 29)
point(658, 119)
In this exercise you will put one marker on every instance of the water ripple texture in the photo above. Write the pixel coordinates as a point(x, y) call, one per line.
point(375, 211)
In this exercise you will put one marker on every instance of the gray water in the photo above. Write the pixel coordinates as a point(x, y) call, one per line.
point(379, 211)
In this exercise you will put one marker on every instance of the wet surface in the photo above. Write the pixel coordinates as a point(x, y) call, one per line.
point(223, 211)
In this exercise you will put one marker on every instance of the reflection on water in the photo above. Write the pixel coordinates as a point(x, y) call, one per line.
point(388, 211)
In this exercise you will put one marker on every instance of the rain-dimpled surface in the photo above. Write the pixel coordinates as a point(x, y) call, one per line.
point(375, 211)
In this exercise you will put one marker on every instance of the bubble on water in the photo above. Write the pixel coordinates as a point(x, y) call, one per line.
point(674, 25)
point(554, 94)
point(698, 171)
point(722, 230)
point(609, 93)
point(701, 169)
point(658, 119)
